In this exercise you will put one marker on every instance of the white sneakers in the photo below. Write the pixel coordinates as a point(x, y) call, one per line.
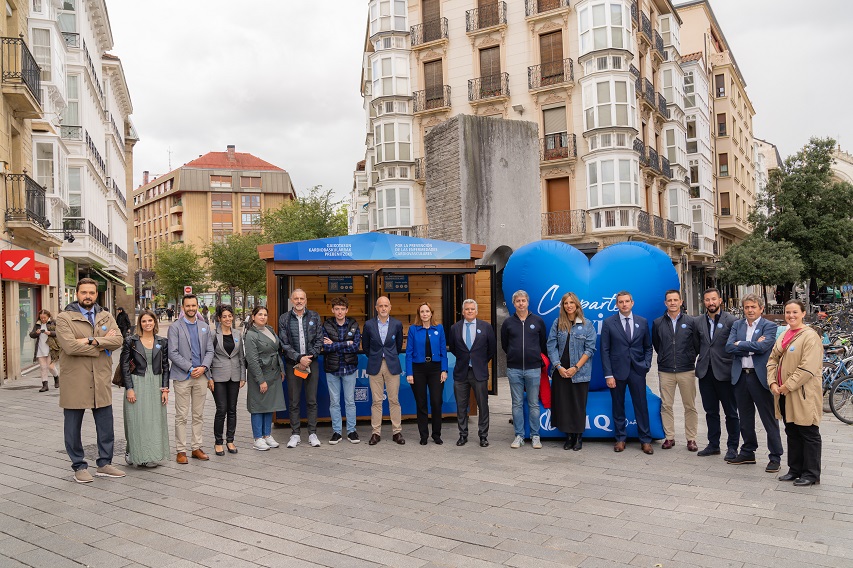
point(537, 443)
point(260, 445)
point(270, 441)
point(294, 441)
point(314, 441)
point(517, 443)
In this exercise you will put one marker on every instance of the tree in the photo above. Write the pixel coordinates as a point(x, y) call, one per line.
point(313, 216)
point(758, 260)
point(805, 207)
point(235, 263)
point(176, 266)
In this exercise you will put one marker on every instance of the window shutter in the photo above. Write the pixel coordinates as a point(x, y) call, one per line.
point(554, 120)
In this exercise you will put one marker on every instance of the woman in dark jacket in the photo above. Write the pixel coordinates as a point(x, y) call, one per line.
point(46, 348)
point(426, 367)
point(147, 393)
point(264, 375)
point(227, 377)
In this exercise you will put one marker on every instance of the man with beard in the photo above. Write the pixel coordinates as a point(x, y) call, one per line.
point(714, 370)
point(87, 335)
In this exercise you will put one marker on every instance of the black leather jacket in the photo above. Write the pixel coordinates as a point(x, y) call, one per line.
point(134, 350)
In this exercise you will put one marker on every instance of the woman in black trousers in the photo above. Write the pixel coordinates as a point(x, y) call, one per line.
point(426, 367)
point(228, 375)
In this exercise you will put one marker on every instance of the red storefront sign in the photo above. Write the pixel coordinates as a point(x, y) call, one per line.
point(18, 265)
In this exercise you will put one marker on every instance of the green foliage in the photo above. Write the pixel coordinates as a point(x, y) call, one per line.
point(176, 266)
point(234, 263)
point(312, 216)
point(805, 207)
point(758, 260)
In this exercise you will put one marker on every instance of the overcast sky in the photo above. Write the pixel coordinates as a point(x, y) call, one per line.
point(279, 78)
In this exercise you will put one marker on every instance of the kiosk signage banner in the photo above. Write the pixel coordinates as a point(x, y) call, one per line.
point(372, 246)
point(340, 284)
point(396, 282)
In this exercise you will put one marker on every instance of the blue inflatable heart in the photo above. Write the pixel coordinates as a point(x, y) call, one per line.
point(548, 269)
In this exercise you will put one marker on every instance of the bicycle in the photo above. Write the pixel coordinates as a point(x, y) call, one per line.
point(837, 365)
point(840, 402)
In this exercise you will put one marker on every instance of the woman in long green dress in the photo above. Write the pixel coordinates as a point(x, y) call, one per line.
point(265, 394)
point(147, 393)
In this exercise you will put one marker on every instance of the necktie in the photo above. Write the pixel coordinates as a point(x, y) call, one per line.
point(469, 341)
point(711, 328)
point(91, 316)
point(627, 328)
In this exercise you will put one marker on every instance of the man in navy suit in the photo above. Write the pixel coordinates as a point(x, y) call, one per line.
point(750, 342)
point(382, 341)
point(473, 343)
point(626, 356)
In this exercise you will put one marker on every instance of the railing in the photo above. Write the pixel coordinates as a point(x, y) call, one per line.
point(657, 226)
point(550, 73)
point(71, 39)
point(419, 231)
point(99, 235)
point(640, 148)
point(19, 65)
point(662, 106)
point(535, 7)
point(633, 70)
point(559, 146)
point(25, 200)
point(362, 228)
point(488, 87)
point(652, 157)
point(116, 131)
point(646, 26)
point(694, 240)
point(485, 17)
point(74, 224)
point(649, 92)
point(725, 211)
point(643, 223)
point(635, 13)
point(95, 79)
point(428, 31)
point(716, 248)
point(119, 195)
point(564, 222)
point(430, 99)
point(665, 167)
point(119, 252)
point(659, 45)
point(670, 229)
point(96, 156)
point(71, 132)
point(420, 168)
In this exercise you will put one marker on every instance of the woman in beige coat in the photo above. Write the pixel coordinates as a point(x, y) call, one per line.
point(794, 377)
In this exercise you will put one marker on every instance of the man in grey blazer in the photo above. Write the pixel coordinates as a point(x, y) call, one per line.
point(191, 353)
point(714, 371)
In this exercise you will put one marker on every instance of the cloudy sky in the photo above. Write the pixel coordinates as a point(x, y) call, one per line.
point(279, 78)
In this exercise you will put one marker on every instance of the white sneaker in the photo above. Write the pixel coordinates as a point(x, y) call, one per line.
point(314, 441)
point(261, 445)
point(517, 443)
point(294, 441)
point(537, 443)
point(270, 441)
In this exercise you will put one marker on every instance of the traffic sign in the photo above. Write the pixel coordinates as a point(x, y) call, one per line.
point(188, 290)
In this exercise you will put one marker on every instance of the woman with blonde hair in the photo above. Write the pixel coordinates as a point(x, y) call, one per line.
point(571, 344)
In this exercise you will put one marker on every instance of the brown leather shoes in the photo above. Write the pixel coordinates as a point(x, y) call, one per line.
point(667, 444)
point(647, 449)
point(692, 446)
point(200, 455)
point(374, 439)
point(398, 437)
point(619, 447)
point(181, 458)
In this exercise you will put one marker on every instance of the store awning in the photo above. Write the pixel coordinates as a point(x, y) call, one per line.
point(113, 277)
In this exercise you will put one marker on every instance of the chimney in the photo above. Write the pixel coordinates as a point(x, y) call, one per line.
point(145, 177)
point(231, 149)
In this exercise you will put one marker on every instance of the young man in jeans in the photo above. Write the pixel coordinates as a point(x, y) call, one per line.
point(523, 339)
point(341, 339)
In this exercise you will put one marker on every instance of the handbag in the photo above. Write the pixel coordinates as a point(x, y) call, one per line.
point(118, 377)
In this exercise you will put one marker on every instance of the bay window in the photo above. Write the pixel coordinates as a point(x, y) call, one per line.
point(689, 90)
point(387, 15)
point(393, 207)
point(604, 26)
point(608, 103)
point(393, 141)
point(678, 206)
point(612, 183)
point(390, 76)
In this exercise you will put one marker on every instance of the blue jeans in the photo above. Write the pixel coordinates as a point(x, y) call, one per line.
point(519, 381)
point(348, 382)
point(261, 424)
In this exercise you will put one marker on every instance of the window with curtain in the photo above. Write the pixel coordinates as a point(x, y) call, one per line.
point(393, 207)
point(613, 182)
point(724, 164)
point(41, 51)
point(393, 142)
point(75, 192)
point(608, 103)
point(387, 15)
point(604, 26)
point(45, 166)
point(556, 134)
point(71, 114)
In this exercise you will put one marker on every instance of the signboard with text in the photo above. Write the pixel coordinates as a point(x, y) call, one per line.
point(372, 246)
point(396, 282)
point(340, 284)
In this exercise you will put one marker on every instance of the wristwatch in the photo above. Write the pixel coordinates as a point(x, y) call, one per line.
point(91, 340)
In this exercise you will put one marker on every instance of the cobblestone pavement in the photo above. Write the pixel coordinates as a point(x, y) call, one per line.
point(411, 506)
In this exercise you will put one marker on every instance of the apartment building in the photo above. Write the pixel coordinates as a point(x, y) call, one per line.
point(602, 79)
point(203, 201)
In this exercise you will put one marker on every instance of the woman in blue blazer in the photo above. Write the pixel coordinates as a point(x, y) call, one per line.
point(426, 367)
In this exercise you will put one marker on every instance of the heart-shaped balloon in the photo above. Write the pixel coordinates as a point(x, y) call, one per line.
point(548, 269)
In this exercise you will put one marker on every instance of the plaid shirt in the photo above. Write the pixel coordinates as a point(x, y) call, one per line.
point(341, 346)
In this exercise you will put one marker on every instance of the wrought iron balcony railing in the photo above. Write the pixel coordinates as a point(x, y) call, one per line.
point(694, 240)
point(657, 226)
point(646, 26)
point(644, 223)
point(640, 149)
point(662, 108)
point(652, 157)
point(19, 65)
point(488, 87)
point(666, 168)
point(635, 14)
point(550, 73)
point(659, 45)
point(428, 31)
point(25, 200)
point(649, 93)
point(486, 16)
point(535, 7)
point(559, 146)
point(74, 224)
point(564, 222)
point(119, 252)
point(670, 229)
point(71, 39)
point(431, 99)
point(71, 132)
point(634, 71)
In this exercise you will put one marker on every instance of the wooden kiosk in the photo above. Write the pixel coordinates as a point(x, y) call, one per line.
point(363, 267)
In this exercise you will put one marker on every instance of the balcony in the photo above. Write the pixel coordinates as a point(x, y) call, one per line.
point(424, 34)
point(634, 71)
point(662, 108)
point(533, 8)
point(26, 209)
point(665, 167)
point(119, 252)
point(640, 149)
point(644, 33)
point(432, 99)
point(643, 223)
point(653, 160)
point(177, 207)
point(419, 231)
point(564, 223)
point(71, 132)
point(658, 52)
point(559, 146)
point(74, 224)
point(649, 94)
point(550, 74)
point(21, 78)
point(176, 227)
point(694, 240)
point(420, 169)
point(669, 227)
point(485, 17)
point(488, 88)
point(635, 14)
point(72, 39)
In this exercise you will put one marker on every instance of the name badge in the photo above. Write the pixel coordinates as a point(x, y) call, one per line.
point(684, 326)
point(103, 328)
point(719, 326)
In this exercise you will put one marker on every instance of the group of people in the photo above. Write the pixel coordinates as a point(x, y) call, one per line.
point(741, 366)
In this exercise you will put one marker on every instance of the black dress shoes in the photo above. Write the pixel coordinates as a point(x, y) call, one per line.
point(789, 477)
point(423, 441)
point(484, 443)
point(570, 441)
point(232, 449)
point(578, 445)
point(710, 451)
point(437, 440)
point(803, 482)
point(462, 441)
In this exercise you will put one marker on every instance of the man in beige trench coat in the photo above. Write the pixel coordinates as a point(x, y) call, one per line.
point(87, 335)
